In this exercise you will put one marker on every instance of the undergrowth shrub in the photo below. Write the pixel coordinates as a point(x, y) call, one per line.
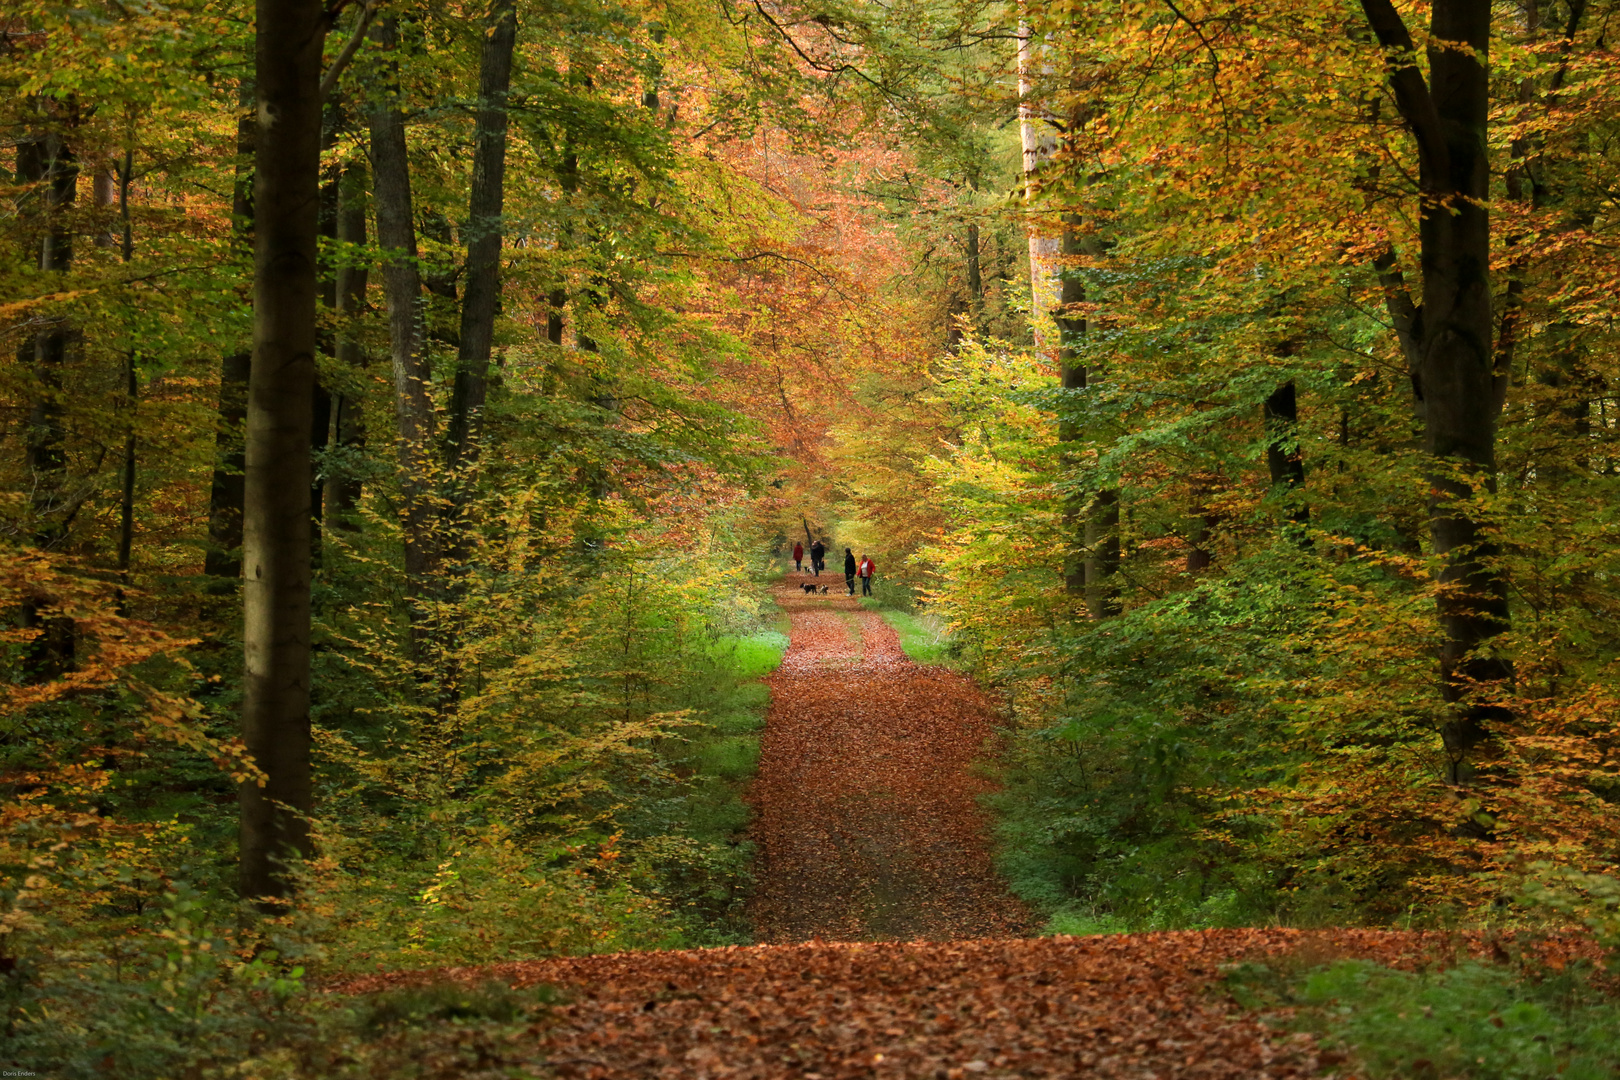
point(582, 793)
point(1475, 1020)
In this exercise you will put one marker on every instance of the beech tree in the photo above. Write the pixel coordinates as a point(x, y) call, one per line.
point(1455, 378)
point(276, 522)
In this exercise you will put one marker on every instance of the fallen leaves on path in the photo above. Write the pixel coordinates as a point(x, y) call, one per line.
point(870, 832)
point(1136, 1005)
point(868, 824)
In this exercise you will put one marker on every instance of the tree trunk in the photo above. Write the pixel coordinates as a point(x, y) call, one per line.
point(1092, 522)
point(116, 189)
point(1456, 381)
point(49, 163)
point(1199, 555)
point(132, 385)
point(483, 230)
point(555, 303)
point(126, 508)
point(321, 401)
point(1072, 376)
point(276, 511)
point(402, 287)
point(1280, 415)
point(975, 278)
point(1039, 144)
point(343, 487)
point(223, 558)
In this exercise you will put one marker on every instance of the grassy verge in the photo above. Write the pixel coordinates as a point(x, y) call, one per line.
point(719, 760)
point(1475, 1021)
point(923, 637)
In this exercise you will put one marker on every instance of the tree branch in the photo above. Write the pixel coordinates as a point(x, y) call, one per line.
point(1412, 95)
point(350, 47)
point(1406, 316)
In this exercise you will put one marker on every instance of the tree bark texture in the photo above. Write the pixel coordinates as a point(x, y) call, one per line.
point(276, 515)
point(402, 287)
point(1039, 144)
point(1455, 380)
point(483, 231)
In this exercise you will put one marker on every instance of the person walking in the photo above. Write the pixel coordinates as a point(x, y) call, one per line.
point(798, 557)
point(818, 557)
point(849, 570)
point(866, 570)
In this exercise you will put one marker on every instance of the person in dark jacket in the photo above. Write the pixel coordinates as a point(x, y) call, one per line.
point(818, 557)
point(798, 557)
point(849, 570)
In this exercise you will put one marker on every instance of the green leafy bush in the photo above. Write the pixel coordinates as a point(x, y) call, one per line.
point(1475, 1021)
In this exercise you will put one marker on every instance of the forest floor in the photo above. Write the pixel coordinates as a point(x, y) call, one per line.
point(892, 948)
point(868, 821)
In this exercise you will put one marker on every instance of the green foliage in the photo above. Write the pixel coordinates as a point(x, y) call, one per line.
point(921, 635)
point(1483, 1022)
point(1592, 899)
point(436, 1003)
point(178, 996)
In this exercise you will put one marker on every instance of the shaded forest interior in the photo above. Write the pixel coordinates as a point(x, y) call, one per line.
point(405, 409)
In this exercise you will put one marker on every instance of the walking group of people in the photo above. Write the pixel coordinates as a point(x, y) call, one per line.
point(864, 569)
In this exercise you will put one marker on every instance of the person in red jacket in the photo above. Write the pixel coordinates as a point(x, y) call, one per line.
point(867, 569)
point(798, 557)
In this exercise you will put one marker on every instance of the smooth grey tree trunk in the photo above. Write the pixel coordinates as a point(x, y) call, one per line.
point(276, 510)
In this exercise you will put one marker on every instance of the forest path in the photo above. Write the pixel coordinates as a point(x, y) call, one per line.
point(891, 943)
point(868, 821)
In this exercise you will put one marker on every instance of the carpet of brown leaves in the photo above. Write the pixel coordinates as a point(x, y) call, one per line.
point(1128, 1005)
point(868, 824)
point(897, 956)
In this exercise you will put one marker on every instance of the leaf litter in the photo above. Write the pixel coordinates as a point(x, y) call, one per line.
point(893, 948)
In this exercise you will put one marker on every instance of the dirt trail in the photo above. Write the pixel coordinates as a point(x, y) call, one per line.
point(868, 823)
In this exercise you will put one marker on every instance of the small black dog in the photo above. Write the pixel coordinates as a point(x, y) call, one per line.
point(808, 588)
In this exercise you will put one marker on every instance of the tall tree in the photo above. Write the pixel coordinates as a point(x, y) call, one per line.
point(276, 511)
point(47, 162)
point(1459, 390)
point(343, 488)
point(483, 231)
point(402, 288)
